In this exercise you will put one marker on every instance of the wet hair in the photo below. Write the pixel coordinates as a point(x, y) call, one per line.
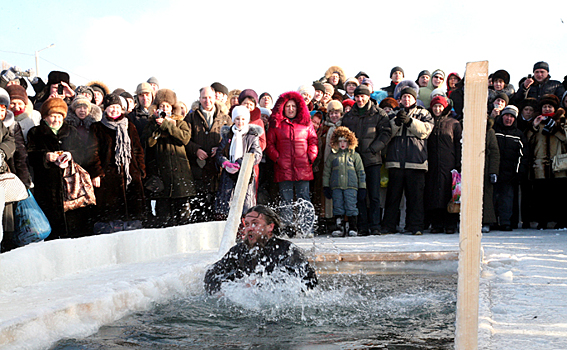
point(270, 217)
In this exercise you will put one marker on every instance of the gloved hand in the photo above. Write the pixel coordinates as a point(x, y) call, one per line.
point(548, 126)
point(231, 168)
point(328, 193)
point(402, 118)
point(493, 178)
point(361, 194)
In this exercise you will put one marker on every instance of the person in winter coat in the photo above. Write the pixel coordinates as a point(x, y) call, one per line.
point(371, 127)
point(437, 78)
point(58, 85)
point(443, 155)
point(205, 121)
point(501, 83)
point(22, 109)
point(165, 137)
point(51, 146)
point(292, 145)
point(547, 139)
point(513, 148)
point(260, 253)
point(116, 165)
point(396, 74)
point(344, 180)
point(406, 160)
point(237, 140)
point(540, 84)
point(7, 151)
point(452, 80)
point(140, 116)
point(335, 76)
point(82, 114)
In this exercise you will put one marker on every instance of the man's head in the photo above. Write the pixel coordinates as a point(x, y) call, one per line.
point(266, 100)
point(221, 92)
point(307, 92)
point(260, 224)
point(360, 76)
point(207, 98)
point(18, 99)
point(541, 71)
point(145, 95)
point(319, 91)
point(509, 115)
point(362, 95)
point(154, 83)
point(423, 78)
point(397, 74)
point(408, 97)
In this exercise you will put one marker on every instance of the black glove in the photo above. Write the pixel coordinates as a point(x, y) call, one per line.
point(361, 194)
point(493, 178)
point(328, 193)
point(548, 127)
point(402, 118)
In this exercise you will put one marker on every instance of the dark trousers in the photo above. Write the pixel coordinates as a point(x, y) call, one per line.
point(504, 202)
point(412, 181)
point(369, 216)
point(172, 211)
point(442, 219)
point(526, 199)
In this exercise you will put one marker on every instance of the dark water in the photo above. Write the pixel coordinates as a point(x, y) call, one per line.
point(345, 312)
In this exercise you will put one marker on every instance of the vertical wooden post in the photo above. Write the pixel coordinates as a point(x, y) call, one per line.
point(237, 204)
point(474, 135)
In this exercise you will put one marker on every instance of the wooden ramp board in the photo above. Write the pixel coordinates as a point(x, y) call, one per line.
point(384, 256)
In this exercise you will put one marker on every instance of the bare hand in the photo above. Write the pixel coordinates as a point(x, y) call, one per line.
point(538, 120)
point(51, 156)
point(202, 155)
point(495, 113)
point(528, 82)
point(214, 151)
point(96, 181)
point(159, 120)
point(67, 91)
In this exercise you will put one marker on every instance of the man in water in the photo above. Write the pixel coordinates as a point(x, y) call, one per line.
point(261, 252)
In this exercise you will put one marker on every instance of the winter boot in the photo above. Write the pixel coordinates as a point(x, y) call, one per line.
point(352, 232)
point(339, 229)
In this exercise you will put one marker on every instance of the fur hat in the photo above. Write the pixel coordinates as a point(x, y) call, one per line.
point(53, 105)
point(352, 80)
point(165, 95)
point(343, 132)
point(143, 88)
point(549, 99)
point(240, 111)
point(319, 86)
point(397, 69)
point(110, 100)
point(248, 93)
point(306, 88)
point(17, 92)
point(528, 101)
point(541, 65)
point(362, 90)
point(403, 84)
point(501, 74)
point(439, 100)
point(81, 100)
point(55, 77)
point(335, 105)
point(348, 102)
point(329, 89)
point(99, 86)
point(4, 98)
point(511, 109)
point(338, 70)
point(218, 87)
point(389, 102)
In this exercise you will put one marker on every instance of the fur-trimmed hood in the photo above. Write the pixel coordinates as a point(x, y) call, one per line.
point(99, 84)
point(333, 69)
point(343, 131)
point(302, 117)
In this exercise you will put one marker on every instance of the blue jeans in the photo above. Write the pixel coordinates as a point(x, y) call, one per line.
point(286, 192)
point(369, 217)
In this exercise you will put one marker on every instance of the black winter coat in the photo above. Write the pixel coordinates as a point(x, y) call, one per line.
point(537, 90)
point(513, 147)
point(372, 128)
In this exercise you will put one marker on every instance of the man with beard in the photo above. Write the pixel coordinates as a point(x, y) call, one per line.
point(260, 253)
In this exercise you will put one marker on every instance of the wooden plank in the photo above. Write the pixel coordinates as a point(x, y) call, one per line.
point(474, 135)
point(385, 256)
point(237, 204)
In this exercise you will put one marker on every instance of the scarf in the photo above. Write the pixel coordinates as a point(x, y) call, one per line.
point(9, 120)
point(209, 117)
point(55, 130)
point(237, 143)
point(123, 147)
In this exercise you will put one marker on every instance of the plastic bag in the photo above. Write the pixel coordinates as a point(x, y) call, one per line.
point(454, 205)
point(31, 224)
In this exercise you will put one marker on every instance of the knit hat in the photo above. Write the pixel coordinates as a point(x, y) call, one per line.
point(511, 109)
point(165, 95)
point(329, 89)
point(541, 65)
point(265, 94)
point(422, 73)
point(83, 89)
point(439, 100)
point(319, 86)
point(362, 90)
point(248, 93)
point(81, 100)
point(335, 105)
point(53, 105)
point(306, 88)
point(352, 80)
point(240, 111)
point(143, 88)
point(362, 74)
point(348, 102)
point(17, 92)
point(110, 100)
point(438, 72)
point(502, 95)
point(397, 69)
point(55, 77)
point(153, 80)
point(4, 98)
point(549, 99)
point(218, 87)
point(389, 102)
point(501, 74)
point(408, 90)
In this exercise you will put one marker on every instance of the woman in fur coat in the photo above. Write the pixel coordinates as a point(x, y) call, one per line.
point(237, 140)
point(117, 168)
point(165, 138)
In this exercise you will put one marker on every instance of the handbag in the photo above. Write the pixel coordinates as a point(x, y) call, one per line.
point(14, 187)
point(31, 224)
point(559, 161)
point(454, 205)
point(78, 187)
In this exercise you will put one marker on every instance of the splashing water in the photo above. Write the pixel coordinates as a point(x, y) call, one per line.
point(303, 216)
